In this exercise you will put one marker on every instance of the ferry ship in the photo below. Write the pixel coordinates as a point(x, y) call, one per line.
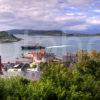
point(35, 47)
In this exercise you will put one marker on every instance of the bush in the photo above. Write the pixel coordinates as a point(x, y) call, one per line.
point(81, 82)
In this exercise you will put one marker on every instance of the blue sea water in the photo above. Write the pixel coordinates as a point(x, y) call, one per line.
point(56, 44)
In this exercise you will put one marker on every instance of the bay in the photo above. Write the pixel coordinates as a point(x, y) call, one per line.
point(55, 44)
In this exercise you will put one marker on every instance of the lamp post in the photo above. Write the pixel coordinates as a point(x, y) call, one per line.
point(1, 67)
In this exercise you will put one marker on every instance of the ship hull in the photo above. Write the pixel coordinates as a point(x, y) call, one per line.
point(32, 47)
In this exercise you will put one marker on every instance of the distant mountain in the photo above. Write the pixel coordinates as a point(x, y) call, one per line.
point(37, 32)
point(6, 37)
point(50, 32)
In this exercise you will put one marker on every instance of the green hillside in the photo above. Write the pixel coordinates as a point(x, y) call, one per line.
point(6, 37)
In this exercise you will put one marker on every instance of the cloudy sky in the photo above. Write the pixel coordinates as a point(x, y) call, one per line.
point(70, 15)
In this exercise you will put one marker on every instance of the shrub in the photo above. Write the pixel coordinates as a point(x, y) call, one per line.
point(81, 82)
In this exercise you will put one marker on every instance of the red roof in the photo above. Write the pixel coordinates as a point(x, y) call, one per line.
point(40, 52)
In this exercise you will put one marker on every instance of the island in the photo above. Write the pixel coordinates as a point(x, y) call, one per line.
point(6, 37)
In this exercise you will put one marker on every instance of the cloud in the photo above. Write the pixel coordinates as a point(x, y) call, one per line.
point(94, 20)
point(79, 2)
point(97, 10)
point(81, 27)
point(49, 14)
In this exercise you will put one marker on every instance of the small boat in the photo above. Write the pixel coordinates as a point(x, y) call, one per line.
point(32, 47)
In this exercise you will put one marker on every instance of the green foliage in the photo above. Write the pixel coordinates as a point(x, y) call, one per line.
point(81, 82)
point(32, 66)
point(6, 37)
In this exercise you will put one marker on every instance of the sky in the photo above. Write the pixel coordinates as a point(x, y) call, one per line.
point(65, 15)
